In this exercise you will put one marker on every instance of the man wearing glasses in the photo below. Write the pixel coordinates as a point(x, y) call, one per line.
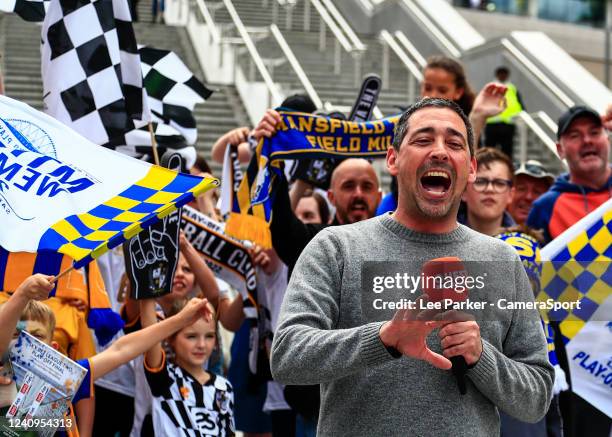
point(487, 198)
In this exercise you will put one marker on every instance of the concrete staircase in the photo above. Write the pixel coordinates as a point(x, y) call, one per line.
point(20, 45)
point(339, 89)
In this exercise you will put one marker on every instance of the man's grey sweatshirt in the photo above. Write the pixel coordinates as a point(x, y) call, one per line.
point(322, 338)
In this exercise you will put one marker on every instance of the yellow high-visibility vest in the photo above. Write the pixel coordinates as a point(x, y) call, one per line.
point(513, 107)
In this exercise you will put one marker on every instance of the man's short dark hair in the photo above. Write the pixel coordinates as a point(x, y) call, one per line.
point(401, 129)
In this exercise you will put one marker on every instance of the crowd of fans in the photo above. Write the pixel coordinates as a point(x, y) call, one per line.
point(168, 380)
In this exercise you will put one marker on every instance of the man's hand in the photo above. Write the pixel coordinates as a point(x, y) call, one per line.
point(259, 256)
point(238, 135)
point(606, 119)
point(36, 287)
point(267, 125)
point(408, 335)
point(490, 100)
point(459, 336)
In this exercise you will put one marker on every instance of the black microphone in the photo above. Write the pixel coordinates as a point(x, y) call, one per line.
point(434, 272)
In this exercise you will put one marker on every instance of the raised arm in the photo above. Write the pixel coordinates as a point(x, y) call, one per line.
point(35, 287)
point(236, 136)
point(153, 356)
point(489, 102)
point(130, 346)
point(203, 275)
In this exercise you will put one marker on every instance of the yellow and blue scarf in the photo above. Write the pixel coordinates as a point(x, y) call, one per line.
point(299, 136)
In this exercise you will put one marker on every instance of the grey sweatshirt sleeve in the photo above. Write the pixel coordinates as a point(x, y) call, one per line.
point(307, 347)
point(519, 379)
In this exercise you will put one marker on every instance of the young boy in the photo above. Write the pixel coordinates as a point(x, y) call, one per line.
point(37, 287)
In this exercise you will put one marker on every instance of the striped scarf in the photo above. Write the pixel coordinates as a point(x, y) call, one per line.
point(299, 136)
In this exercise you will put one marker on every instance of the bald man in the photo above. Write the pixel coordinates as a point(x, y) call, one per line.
point(353, 191)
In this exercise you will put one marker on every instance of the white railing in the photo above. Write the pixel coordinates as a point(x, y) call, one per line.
point(432, 28)
point(341, 41)
point(297, 68)
point(545, 118)
point(537, 73)
point(414, 73)
point(531, 124)
point(214, 33)
point(410, 48)
point(346, 28)
point(274, 94)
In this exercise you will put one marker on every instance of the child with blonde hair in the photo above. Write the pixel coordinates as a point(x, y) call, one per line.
point(39, 321)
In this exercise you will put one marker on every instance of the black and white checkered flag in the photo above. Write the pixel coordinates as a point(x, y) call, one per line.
point(173, 90)
point(91, 71)
point(29, 10)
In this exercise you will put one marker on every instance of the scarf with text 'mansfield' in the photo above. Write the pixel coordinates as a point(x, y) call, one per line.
point(299, 136)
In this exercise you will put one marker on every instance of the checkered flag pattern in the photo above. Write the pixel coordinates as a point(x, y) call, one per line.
point(29, 10)
point(91, 68)
point(137, 143)
point(88, 235)
point(582, 271)
point(173, 90)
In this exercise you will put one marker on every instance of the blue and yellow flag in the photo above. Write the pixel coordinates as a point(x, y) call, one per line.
point(299, 136)
point(577, 270)
point(577, 273)
point(61, 193)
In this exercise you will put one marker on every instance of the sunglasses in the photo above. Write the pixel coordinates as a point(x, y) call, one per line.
point(533, 169)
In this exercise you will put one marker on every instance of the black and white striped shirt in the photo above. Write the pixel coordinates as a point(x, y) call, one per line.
point(184, 407)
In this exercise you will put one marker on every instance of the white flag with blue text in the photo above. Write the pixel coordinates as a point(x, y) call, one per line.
point(60, 192)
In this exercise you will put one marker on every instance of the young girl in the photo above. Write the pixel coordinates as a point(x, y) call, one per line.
point(186, 398)
point(445, 78)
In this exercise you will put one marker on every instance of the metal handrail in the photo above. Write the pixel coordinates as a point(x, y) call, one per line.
point(550, 124)
point(214, 32)
point(429, 25)
point(346, 45)
point(564, 98)
point(538, 131)
point(352, 36)
point(297, 68)
point(416, 55)
point(411, 66)
point(259, 63)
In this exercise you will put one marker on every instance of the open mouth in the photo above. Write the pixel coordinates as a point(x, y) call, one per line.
point(436, 182)
point(588, 154)
point(359, 206)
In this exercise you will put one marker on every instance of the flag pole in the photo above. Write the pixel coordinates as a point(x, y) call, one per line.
point(153, 144)
point(65, 272)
